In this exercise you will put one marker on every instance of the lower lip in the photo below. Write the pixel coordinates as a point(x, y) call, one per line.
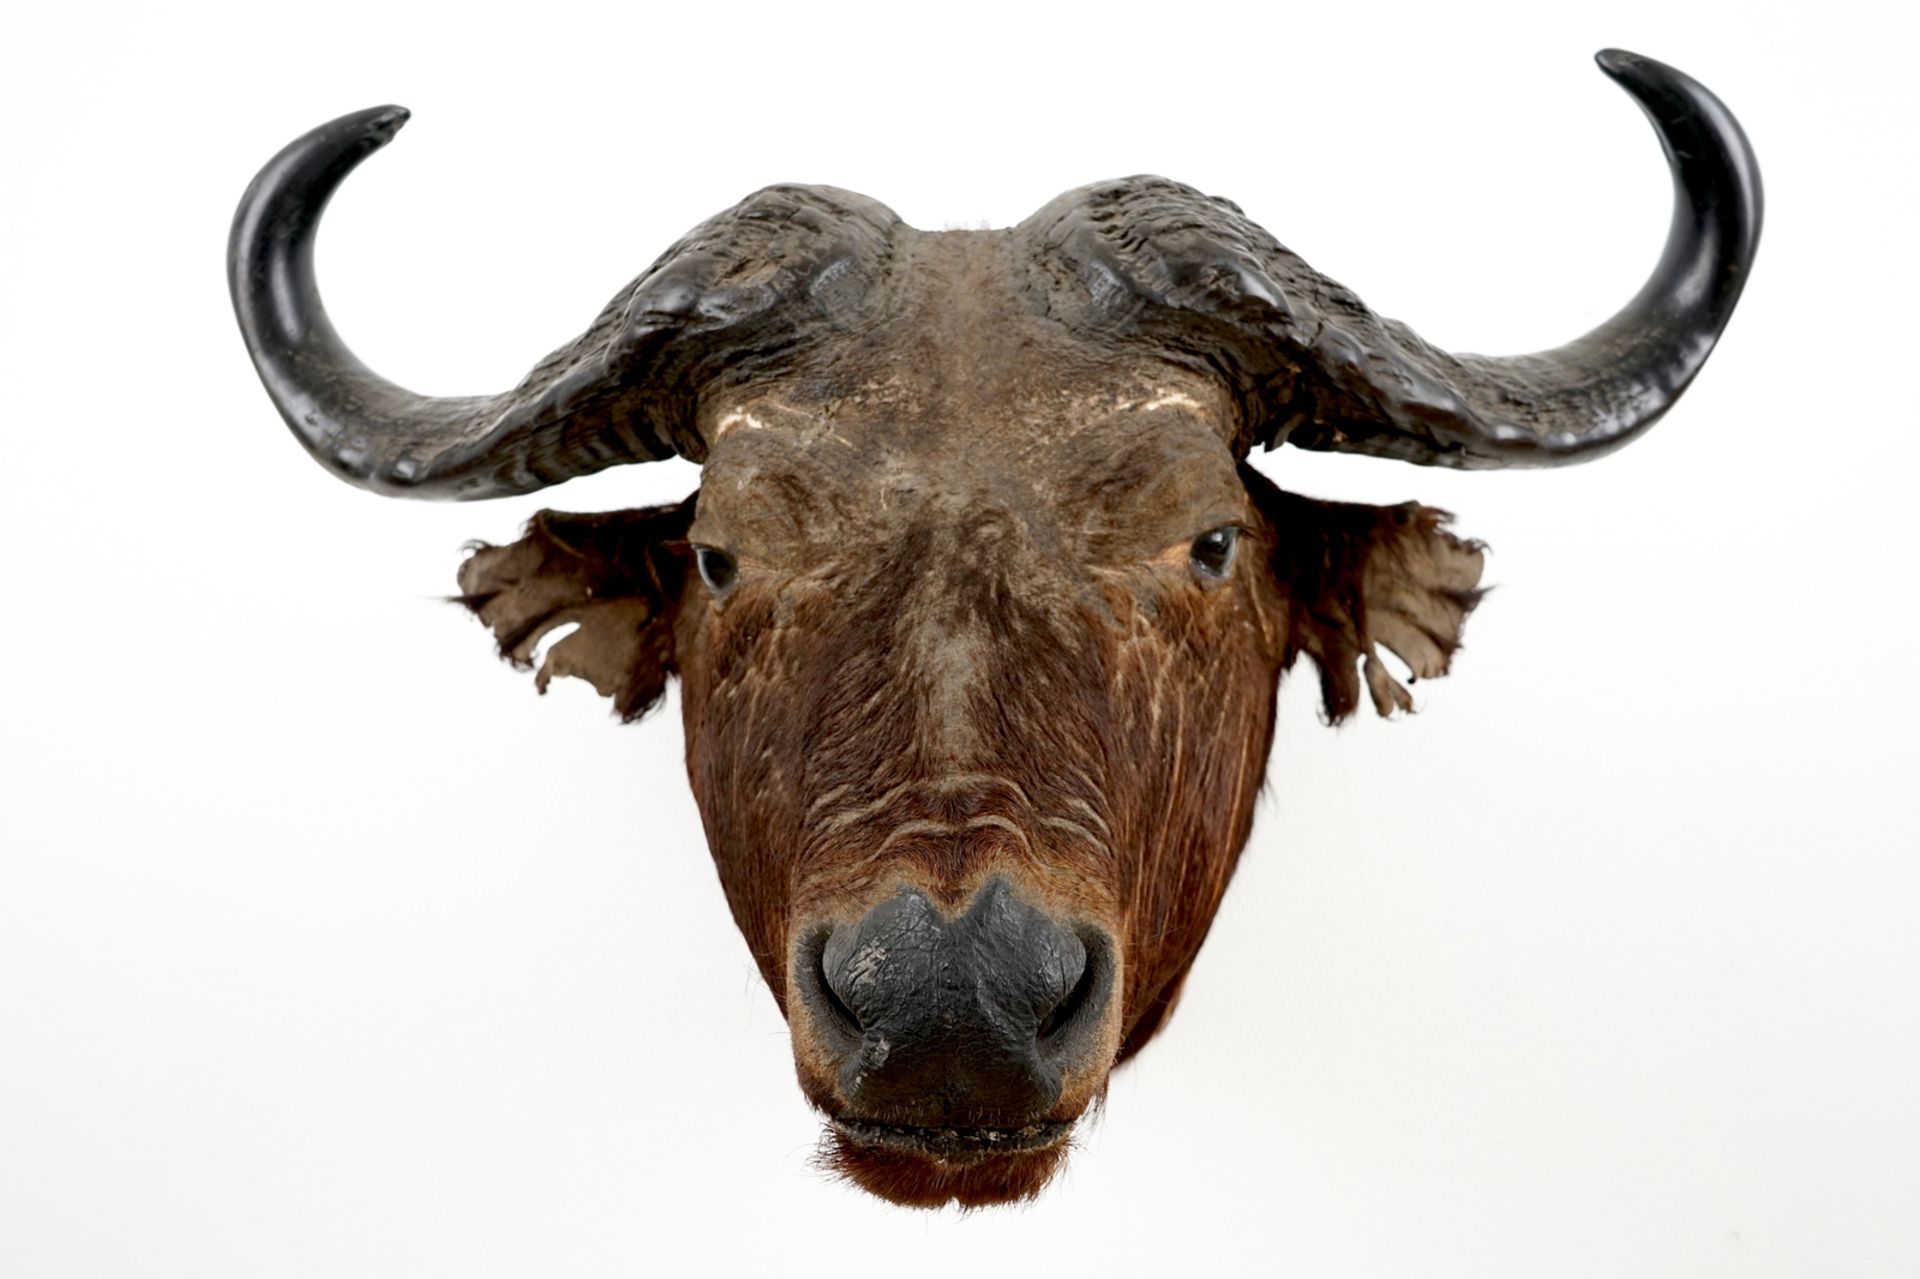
point(954, 1145)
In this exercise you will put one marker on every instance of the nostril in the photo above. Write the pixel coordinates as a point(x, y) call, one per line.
point(1068, 1027)
point(829, 1011)
point(1063, 1013)
point(849, 1020)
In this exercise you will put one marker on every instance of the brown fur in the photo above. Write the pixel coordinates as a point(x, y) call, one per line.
point(914, 1182)
point(939, 663)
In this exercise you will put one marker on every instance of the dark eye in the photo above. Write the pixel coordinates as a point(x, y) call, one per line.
point(717, 568)
point(1212, 552)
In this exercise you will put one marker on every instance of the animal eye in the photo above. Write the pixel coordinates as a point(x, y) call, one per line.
point(717, 568)
point(1212, 552)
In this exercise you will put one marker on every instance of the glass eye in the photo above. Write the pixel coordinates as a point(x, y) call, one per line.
point(717, 568)
point(1212, 552)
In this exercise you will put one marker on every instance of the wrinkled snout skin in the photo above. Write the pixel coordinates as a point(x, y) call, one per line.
point(942, 672)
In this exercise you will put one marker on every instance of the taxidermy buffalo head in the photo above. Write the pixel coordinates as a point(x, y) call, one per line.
point(979, 611)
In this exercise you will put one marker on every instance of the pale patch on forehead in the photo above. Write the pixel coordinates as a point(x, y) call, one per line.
point(1024, 406)
point(1094, 409)
point(837, 418)
point(1139, 439)
point(734, 419)
point(1173, 399)
point(1172, 396)
point(1145, 392)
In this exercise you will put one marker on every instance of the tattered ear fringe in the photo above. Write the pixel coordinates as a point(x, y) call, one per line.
point(633, 698)
point(476, 601)
point(615, 648)
point(514, 645)
point(1339, 687)
point(1341, 680)
point(613, 577)
point(1359, 579)
point(635, 712)
point(1342, 676)
point(1388, 693)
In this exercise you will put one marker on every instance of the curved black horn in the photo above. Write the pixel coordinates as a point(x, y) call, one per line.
point(1598, 392)
point(625, 391)
point(1314, 367)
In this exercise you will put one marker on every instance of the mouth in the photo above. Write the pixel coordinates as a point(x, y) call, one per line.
point(958, 1147)
point(932, 1167)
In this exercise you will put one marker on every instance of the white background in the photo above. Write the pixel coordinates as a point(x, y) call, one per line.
point(327, 948)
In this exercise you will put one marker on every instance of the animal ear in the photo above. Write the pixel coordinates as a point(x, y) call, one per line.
point(618, 576)
point(1356, 578)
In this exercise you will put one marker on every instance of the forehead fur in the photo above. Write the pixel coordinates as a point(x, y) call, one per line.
point(1100, 477)
point(963, 323)
point(967, 392)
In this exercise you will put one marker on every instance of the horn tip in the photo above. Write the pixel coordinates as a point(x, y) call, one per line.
point(381, 123)
point(1626, 67)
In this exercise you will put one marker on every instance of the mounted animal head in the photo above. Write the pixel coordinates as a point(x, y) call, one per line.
point(979, 612)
